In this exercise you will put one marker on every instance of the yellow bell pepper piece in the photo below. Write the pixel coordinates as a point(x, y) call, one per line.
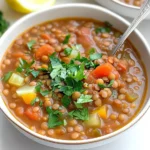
point(101, 111)
point(28, 97)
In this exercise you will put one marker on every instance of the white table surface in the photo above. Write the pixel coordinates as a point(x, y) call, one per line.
point(137, 139)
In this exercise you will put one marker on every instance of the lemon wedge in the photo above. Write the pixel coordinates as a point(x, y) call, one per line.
point(27, 6)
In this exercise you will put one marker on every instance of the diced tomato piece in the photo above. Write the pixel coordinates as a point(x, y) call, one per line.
point(44, 50)
point(85, 37)
point(33, 115)
point(104, 70)
point(20, 55)
point(45, 36)
point(122, 65)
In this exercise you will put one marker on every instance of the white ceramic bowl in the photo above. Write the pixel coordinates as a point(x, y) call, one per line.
point(84, 11)
point(121, 8)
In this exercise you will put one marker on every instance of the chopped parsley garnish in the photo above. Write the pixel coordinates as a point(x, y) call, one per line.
point(35, 73)
point(55, 118)
point(30, 44)
point(38, 89)
point(67, 51)
point(104, 29)
point(81, 114)
point(78, 105)
point(41, 103)
point(102, 86)
point(66, 101)
point(84, 99)
point(66, 40)
point(3, 24)
point(6, 77)
point(95, 56)
point(34, 101)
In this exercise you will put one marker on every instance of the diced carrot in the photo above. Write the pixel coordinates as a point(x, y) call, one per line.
point(123, 65)
point(32, 114)
point(44, 50)
point(104, 70)
point(45, 36)
point(28, 97)
point(20, 55)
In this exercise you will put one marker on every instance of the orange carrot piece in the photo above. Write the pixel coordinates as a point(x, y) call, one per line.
point(44, 50)
point(33, 115)
point(104, 70)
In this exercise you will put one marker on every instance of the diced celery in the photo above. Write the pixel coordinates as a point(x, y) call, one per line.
point(73, 54)
point(94, 121)
point(16, 80)
point(26, 89)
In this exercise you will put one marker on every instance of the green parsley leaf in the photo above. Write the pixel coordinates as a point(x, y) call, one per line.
point(110, 84)
point(25, 66)
point(95, 56)
point(54, 119)
point(30, 44)
point(102, 30)
point(38, 86)
point(35, 73)
point(6, 77)
point(102, 86)
point(67, 51)
point(78, 105)
point(67, 90)
point(76, 85)
point(66, 101)
point(84, 99)
point(66, 40)
point(81, 114)
point(34, 101)
point(92, 51)
point(44, 93)
point(41, 103)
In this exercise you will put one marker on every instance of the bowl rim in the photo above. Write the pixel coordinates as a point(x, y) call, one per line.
point(75, 142)
point(125, 5)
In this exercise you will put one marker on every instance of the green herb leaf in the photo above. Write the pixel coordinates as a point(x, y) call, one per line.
point(66, 101)
point(67, 90)
point(54, 119)
point(110, 84)
point(81, 114)
point(67, 51)
point(66, 40)
point(41, 103)
point(35, 73)
point(95, 56)
point(102, 86)
point(38, 86)
point(102, 30)
point(107, 24)
point(44, 93)
point(78, 105)
point(6, 77)
point(30, 44)
point(34, 101)
point(92, 51)
point(84, 99)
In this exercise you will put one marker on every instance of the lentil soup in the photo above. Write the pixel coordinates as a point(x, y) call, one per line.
point(58, 80)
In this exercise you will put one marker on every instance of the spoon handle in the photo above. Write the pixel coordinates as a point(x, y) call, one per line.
point(144, 11)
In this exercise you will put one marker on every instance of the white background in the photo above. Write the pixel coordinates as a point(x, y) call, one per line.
point(137, 139)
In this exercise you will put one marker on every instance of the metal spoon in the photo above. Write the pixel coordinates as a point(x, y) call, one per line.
point(144, 11)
